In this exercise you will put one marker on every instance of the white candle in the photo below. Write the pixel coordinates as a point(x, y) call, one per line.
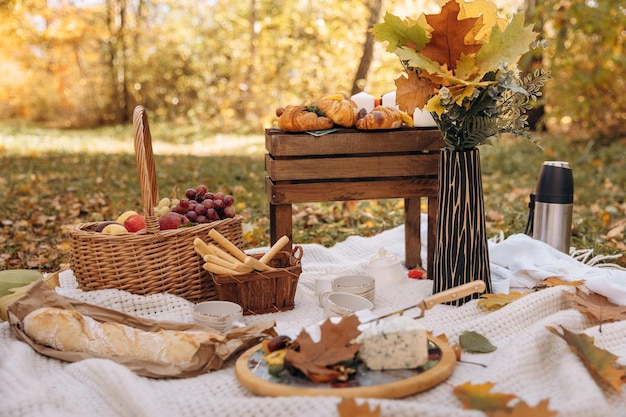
point(364, 100)
point(422, 118)
point(389, 99)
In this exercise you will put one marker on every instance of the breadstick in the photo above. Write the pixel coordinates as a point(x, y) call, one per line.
point(256, 264)
point(220, 270)
point(276, 247)
point(227, 244)
point(201, 247)
point(219, 252)
point(238, 266)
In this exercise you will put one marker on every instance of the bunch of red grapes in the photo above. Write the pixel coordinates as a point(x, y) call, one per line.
point(202, 206)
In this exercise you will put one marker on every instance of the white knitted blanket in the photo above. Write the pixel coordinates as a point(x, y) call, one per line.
point(529, 362)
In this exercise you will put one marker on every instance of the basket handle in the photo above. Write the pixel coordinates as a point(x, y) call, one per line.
point(144, 159)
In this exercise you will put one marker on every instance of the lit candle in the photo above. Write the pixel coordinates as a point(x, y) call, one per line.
point(389, 99)
point(422, 118)
point(364, 100)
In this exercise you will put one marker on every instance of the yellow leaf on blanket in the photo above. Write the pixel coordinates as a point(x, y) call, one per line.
point(349, 408)
point(554, 281)
point(601, 363)
point(522, 409)
point(492, 302)
point(479, 397)
point(597, 306)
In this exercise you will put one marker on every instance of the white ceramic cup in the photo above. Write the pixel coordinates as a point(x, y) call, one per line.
point(363, 285)
point(342, 304)
point(219, 315)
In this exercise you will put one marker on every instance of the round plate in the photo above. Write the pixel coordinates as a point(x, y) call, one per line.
point(252, 373)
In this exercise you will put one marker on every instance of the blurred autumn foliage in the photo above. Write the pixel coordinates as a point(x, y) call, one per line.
point(227, 64)
point(205, 70)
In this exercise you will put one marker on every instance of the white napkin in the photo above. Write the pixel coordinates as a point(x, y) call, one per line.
point(526, 261)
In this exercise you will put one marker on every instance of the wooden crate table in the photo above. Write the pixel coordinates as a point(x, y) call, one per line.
point(354, 165)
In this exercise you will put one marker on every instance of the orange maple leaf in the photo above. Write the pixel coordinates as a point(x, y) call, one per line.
point(451, 36)
point(413, 92)
point(478, 397)
point(601, 363)
point(597, 306)
point(315, 360)
point(349, 408)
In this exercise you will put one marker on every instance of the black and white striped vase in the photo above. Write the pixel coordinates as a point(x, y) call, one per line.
point(461, 249)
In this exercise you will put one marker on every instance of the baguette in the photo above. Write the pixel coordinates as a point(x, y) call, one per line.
point(71, 331)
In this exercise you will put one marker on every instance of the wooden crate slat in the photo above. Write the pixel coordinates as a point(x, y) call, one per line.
point(376, 166)
point(351, 141)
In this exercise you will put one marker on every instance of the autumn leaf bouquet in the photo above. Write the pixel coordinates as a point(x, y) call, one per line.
point(461, 66)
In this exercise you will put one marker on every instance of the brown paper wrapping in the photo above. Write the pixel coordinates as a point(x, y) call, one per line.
point(209, 357)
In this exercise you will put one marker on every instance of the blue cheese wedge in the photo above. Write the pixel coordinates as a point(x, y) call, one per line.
point(394, 343)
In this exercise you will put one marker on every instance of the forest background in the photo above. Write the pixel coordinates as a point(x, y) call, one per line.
point(217, 69)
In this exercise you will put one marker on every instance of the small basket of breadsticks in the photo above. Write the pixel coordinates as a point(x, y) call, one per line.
point(259, 283)
point(339, 110)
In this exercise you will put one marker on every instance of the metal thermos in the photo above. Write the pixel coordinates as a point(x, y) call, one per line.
point(550, 218)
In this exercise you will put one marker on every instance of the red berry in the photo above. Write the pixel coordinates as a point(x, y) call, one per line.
point(415, 273)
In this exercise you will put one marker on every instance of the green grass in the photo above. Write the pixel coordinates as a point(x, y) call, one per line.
point(50, 178)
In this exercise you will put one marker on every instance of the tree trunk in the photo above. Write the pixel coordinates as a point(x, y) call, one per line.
point(535, 115)
point(360, 79)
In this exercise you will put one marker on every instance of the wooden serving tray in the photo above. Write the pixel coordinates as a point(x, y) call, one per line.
point(252, 374)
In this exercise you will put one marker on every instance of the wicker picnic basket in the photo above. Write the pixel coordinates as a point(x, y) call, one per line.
point(152, 262)
point(264, 292)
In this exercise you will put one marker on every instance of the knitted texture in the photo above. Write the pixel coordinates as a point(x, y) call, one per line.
point(529, 362)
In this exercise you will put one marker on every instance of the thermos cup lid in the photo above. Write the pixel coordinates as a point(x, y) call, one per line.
point(555, 183)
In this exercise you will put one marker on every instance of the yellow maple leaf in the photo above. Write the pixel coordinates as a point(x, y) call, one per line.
point(492, 302)
point(488, 11)
point(466, 67)
point(555, 281)
point(601, 363)
point(348, 407)
point(522, 409)
point(479, 397)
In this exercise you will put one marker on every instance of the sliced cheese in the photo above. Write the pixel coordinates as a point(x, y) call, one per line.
point(394, 343)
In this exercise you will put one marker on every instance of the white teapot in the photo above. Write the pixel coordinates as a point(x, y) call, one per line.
point(386, 269)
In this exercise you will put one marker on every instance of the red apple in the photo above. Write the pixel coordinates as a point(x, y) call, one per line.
point(170, 220)
point(135, 223)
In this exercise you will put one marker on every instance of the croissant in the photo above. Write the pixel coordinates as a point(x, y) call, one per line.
point(301, 119)
point(381, 117)
point(339, 108)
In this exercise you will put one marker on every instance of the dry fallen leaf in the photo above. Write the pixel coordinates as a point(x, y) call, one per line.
point(475, 342)
point(554, 281)
point(597, 306)
point(522, 409)
point(492, 302)
point(478, 397)
point(600, 363)
point(315, 360)
point(349, 408)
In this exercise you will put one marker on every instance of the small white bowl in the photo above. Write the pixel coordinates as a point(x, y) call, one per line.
point(219, 315)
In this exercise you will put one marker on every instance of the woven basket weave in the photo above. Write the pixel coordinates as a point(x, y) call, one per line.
point(150, 263)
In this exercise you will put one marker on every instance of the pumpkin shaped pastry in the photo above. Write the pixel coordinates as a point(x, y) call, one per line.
point(301, 119)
